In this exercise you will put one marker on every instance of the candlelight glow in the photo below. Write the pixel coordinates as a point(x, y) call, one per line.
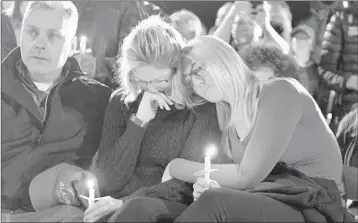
point(83, 39)
point(345, 4)
point(90, 183)
point(211, 150)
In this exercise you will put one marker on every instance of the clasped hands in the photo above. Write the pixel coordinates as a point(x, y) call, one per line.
point(101, 208)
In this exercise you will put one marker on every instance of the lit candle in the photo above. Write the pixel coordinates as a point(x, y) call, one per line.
point(207, 168)
point(209, 153)
point(83, 44)
point(91, 191)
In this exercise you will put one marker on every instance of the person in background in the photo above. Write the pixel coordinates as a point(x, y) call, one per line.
point(275, 20)
point(144, 129)
point(188, 24)
point(280, 18)
point(105, 41)
point(11, 21)
point(273, 122)
point(220, 15)
point(302, 49)
point(245, 31)
point(347, 134)
point(51, 114)
point(243, 9)
point(339, 61)
point(268, 61)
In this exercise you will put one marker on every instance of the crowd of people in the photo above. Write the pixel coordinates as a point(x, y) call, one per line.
point(109, 110)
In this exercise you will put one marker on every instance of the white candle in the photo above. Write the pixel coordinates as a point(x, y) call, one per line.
point(207, 168)
point(83, 44)
point(91, 192)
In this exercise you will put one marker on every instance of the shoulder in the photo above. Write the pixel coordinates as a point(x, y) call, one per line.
point(116, 102)
point(93, 87)
point(116, 97)
point(284, 91)
point(282, 85)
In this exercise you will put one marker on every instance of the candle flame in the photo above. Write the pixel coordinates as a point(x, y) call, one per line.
point(211, 150)
point(345, 4)
point(90, 183)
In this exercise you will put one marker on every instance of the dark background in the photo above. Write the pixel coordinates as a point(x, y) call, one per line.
point(206, 10)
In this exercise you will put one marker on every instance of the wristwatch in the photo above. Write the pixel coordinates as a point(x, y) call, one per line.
point(138, 122)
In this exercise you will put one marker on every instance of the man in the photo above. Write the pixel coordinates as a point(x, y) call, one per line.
point(51, 114)
point(339, 60)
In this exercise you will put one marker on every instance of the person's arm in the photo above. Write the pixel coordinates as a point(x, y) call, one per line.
point(332, 44)
point(271, 35)
point(205, 131)
point(223, 31)
point(119, 147)
point(338, 81)
point(279, 111)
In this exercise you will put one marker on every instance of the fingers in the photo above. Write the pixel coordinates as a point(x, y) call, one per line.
point(214, 184)
point(166, 99)
point(103, 208)
point(162, 100)
point(96, 205)
point(97, 214)
point(196, 195)
point(199, 189)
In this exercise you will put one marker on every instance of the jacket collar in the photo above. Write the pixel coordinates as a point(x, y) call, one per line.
point(13, 88)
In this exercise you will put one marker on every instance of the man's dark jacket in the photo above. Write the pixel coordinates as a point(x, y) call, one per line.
point(68, 131)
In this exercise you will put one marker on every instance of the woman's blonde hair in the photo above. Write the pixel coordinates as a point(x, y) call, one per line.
point(151, 42)
point(233, 78)
point(349, 123)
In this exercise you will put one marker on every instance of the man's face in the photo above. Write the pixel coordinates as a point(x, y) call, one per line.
point(302, 45)
point(46, 40)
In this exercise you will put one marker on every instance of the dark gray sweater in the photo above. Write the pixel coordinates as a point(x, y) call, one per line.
point(131, 160)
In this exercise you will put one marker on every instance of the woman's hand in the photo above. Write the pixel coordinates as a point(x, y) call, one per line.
point(101, 208)
point(202, 185)
point(149, 105)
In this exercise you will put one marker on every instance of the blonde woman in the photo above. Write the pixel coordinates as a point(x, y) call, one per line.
point(264, 122)
point(144, 129)
point(347, 135)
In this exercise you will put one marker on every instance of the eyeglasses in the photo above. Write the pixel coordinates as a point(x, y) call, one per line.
point(159, 82)
point(194, 73)
point(155, 82)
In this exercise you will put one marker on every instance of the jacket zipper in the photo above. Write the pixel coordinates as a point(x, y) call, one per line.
point(39, 137)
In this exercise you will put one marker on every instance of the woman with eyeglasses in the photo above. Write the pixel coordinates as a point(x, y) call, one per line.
point(287, 162)
point(144, 129)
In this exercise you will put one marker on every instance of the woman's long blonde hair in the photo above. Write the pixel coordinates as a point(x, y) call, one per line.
point(233, 78)
point(151, 42)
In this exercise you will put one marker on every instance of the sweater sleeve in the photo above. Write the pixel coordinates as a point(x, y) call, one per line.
point(119, 147)
point(205, 131)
